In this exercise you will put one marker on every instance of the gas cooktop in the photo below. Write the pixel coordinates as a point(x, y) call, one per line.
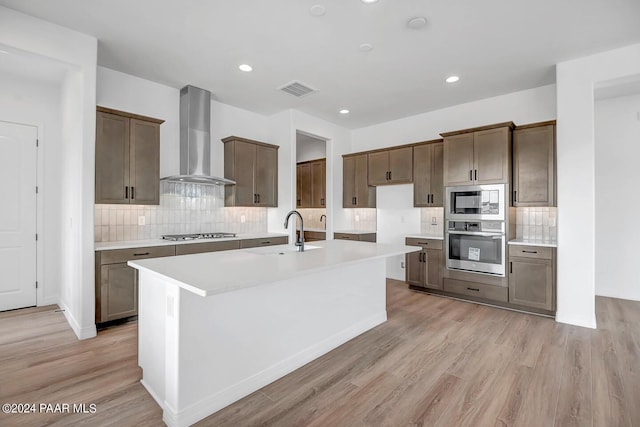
point(214, 235)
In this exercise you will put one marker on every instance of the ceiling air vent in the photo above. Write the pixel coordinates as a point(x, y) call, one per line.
point(297, 89)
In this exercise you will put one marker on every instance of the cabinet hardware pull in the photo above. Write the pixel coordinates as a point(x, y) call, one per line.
point(423, 243)
point(126, 192)
point(258, 197)
point(432, 199)
point(470, 175)
point(510, 267)
point(143, 254)
point(389, 175)
point(132, 189)
point(474, 289)
point(355, 200)
point(420, 256)
point(515, 196)
point(255, 198)
point(529, 252)
point(476, 174)
point(265, 242)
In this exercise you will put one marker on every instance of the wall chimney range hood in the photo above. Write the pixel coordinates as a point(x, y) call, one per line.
point(195, 139)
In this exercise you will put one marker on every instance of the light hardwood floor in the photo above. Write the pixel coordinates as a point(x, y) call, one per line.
point(435, 362)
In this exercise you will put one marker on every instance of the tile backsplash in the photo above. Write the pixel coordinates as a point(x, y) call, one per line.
point(183, 208)
point(311, 217)
point(537, 223)
point(364, 219)
point(427, 223)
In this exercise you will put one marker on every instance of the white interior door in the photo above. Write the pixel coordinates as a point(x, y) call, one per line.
point(17, 216)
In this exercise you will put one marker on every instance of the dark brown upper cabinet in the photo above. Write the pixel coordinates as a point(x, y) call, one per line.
point(393, 166)
point(478, 156)
point(534, 165)
point(356, 193)
point(127, 158)
point(427, 174)
point(311, 184)
point(253, 165)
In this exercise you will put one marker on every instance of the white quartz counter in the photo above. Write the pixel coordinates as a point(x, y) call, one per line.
point(127, 244)
point(355, 231)
point(426, 236)
point(533, 242)
point(225, 271)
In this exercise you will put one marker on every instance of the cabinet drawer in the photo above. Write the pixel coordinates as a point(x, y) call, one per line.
point(425, 243)
point(198, 248)
point(526, 251)
point(478, 290)
point(366, 237)
point(314, 235)
point(252, 243)
point(345, 236)
point(124, 255)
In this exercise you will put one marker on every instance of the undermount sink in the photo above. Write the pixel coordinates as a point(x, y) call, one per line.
point(280, 249)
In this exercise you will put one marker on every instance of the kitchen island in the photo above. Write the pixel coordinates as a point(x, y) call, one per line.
point(215, 327)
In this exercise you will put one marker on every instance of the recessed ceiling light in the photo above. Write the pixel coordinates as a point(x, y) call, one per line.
point(452, 79)
point(369, 1)
point(344, 111)
point(417, 23)
point(365, 47)
point(317, 10)
point(245, 67)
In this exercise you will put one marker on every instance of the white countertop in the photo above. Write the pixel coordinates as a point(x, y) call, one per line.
point(533, 242)
point(225, 271)
point(354, 232)
point(128, 244)
point(426, 236)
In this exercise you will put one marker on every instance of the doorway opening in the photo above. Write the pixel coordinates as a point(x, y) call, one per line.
point(311, 184)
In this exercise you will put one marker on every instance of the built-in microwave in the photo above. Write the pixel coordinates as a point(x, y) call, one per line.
point(476, 202)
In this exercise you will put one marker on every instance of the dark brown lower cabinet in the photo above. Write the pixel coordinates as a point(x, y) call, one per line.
point(532, 276)
point(116, 283)
point(361, 237)
point(424, 268)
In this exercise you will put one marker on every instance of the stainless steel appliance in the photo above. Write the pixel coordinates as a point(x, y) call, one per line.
point(195, 236)
point(476, 202)
point(476, 246)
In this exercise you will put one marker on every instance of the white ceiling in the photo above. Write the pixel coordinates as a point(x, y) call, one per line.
point(496, 46)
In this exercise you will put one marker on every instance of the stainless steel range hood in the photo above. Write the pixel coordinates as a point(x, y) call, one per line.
point(195, 139)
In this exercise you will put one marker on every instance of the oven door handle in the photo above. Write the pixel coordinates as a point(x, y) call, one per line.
point(477, 233)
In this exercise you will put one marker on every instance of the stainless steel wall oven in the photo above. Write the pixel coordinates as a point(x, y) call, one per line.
point(476, 246)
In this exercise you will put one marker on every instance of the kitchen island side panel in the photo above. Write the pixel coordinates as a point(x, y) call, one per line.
point(226, 346)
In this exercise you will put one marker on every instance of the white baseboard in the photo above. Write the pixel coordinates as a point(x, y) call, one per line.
point(215, 402)
point(585, 323)
point(614, 293)
point(82, 333)
point(48, 301)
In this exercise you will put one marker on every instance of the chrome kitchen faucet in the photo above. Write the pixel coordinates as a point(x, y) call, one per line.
point(300, 241)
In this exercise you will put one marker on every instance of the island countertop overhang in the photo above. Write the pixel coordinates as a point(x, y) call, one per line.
point(214, 273)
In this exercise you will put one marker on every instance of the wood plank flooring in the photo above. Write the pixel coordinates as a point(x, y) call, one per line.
point(435, 362)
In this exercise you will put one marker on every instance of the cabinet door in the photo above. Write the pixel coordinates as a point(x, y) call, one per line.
point(531, 283)
point(118, 292)
point(318, 184)
point(348, 182)
point(433, 276)
point(491, 156)
point(144, 165)
point(422, 164)
point(534, 166)
point(266, 182)
point(378, 164)
point(363, 190)
point(112, 158)
point(305, 185)
point(415, 268)
point(298, 186)
point(437, 189)
point(401, 165)
point(241, 158)
point(458, 160)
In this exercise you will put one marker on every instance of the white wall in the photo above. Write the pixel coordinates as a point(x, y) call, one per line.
point(396, 219)
point(576, 177)
point(79, 52)
point(309, 149)
point(529, 106)
point(617, 150)
point(28, 101)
